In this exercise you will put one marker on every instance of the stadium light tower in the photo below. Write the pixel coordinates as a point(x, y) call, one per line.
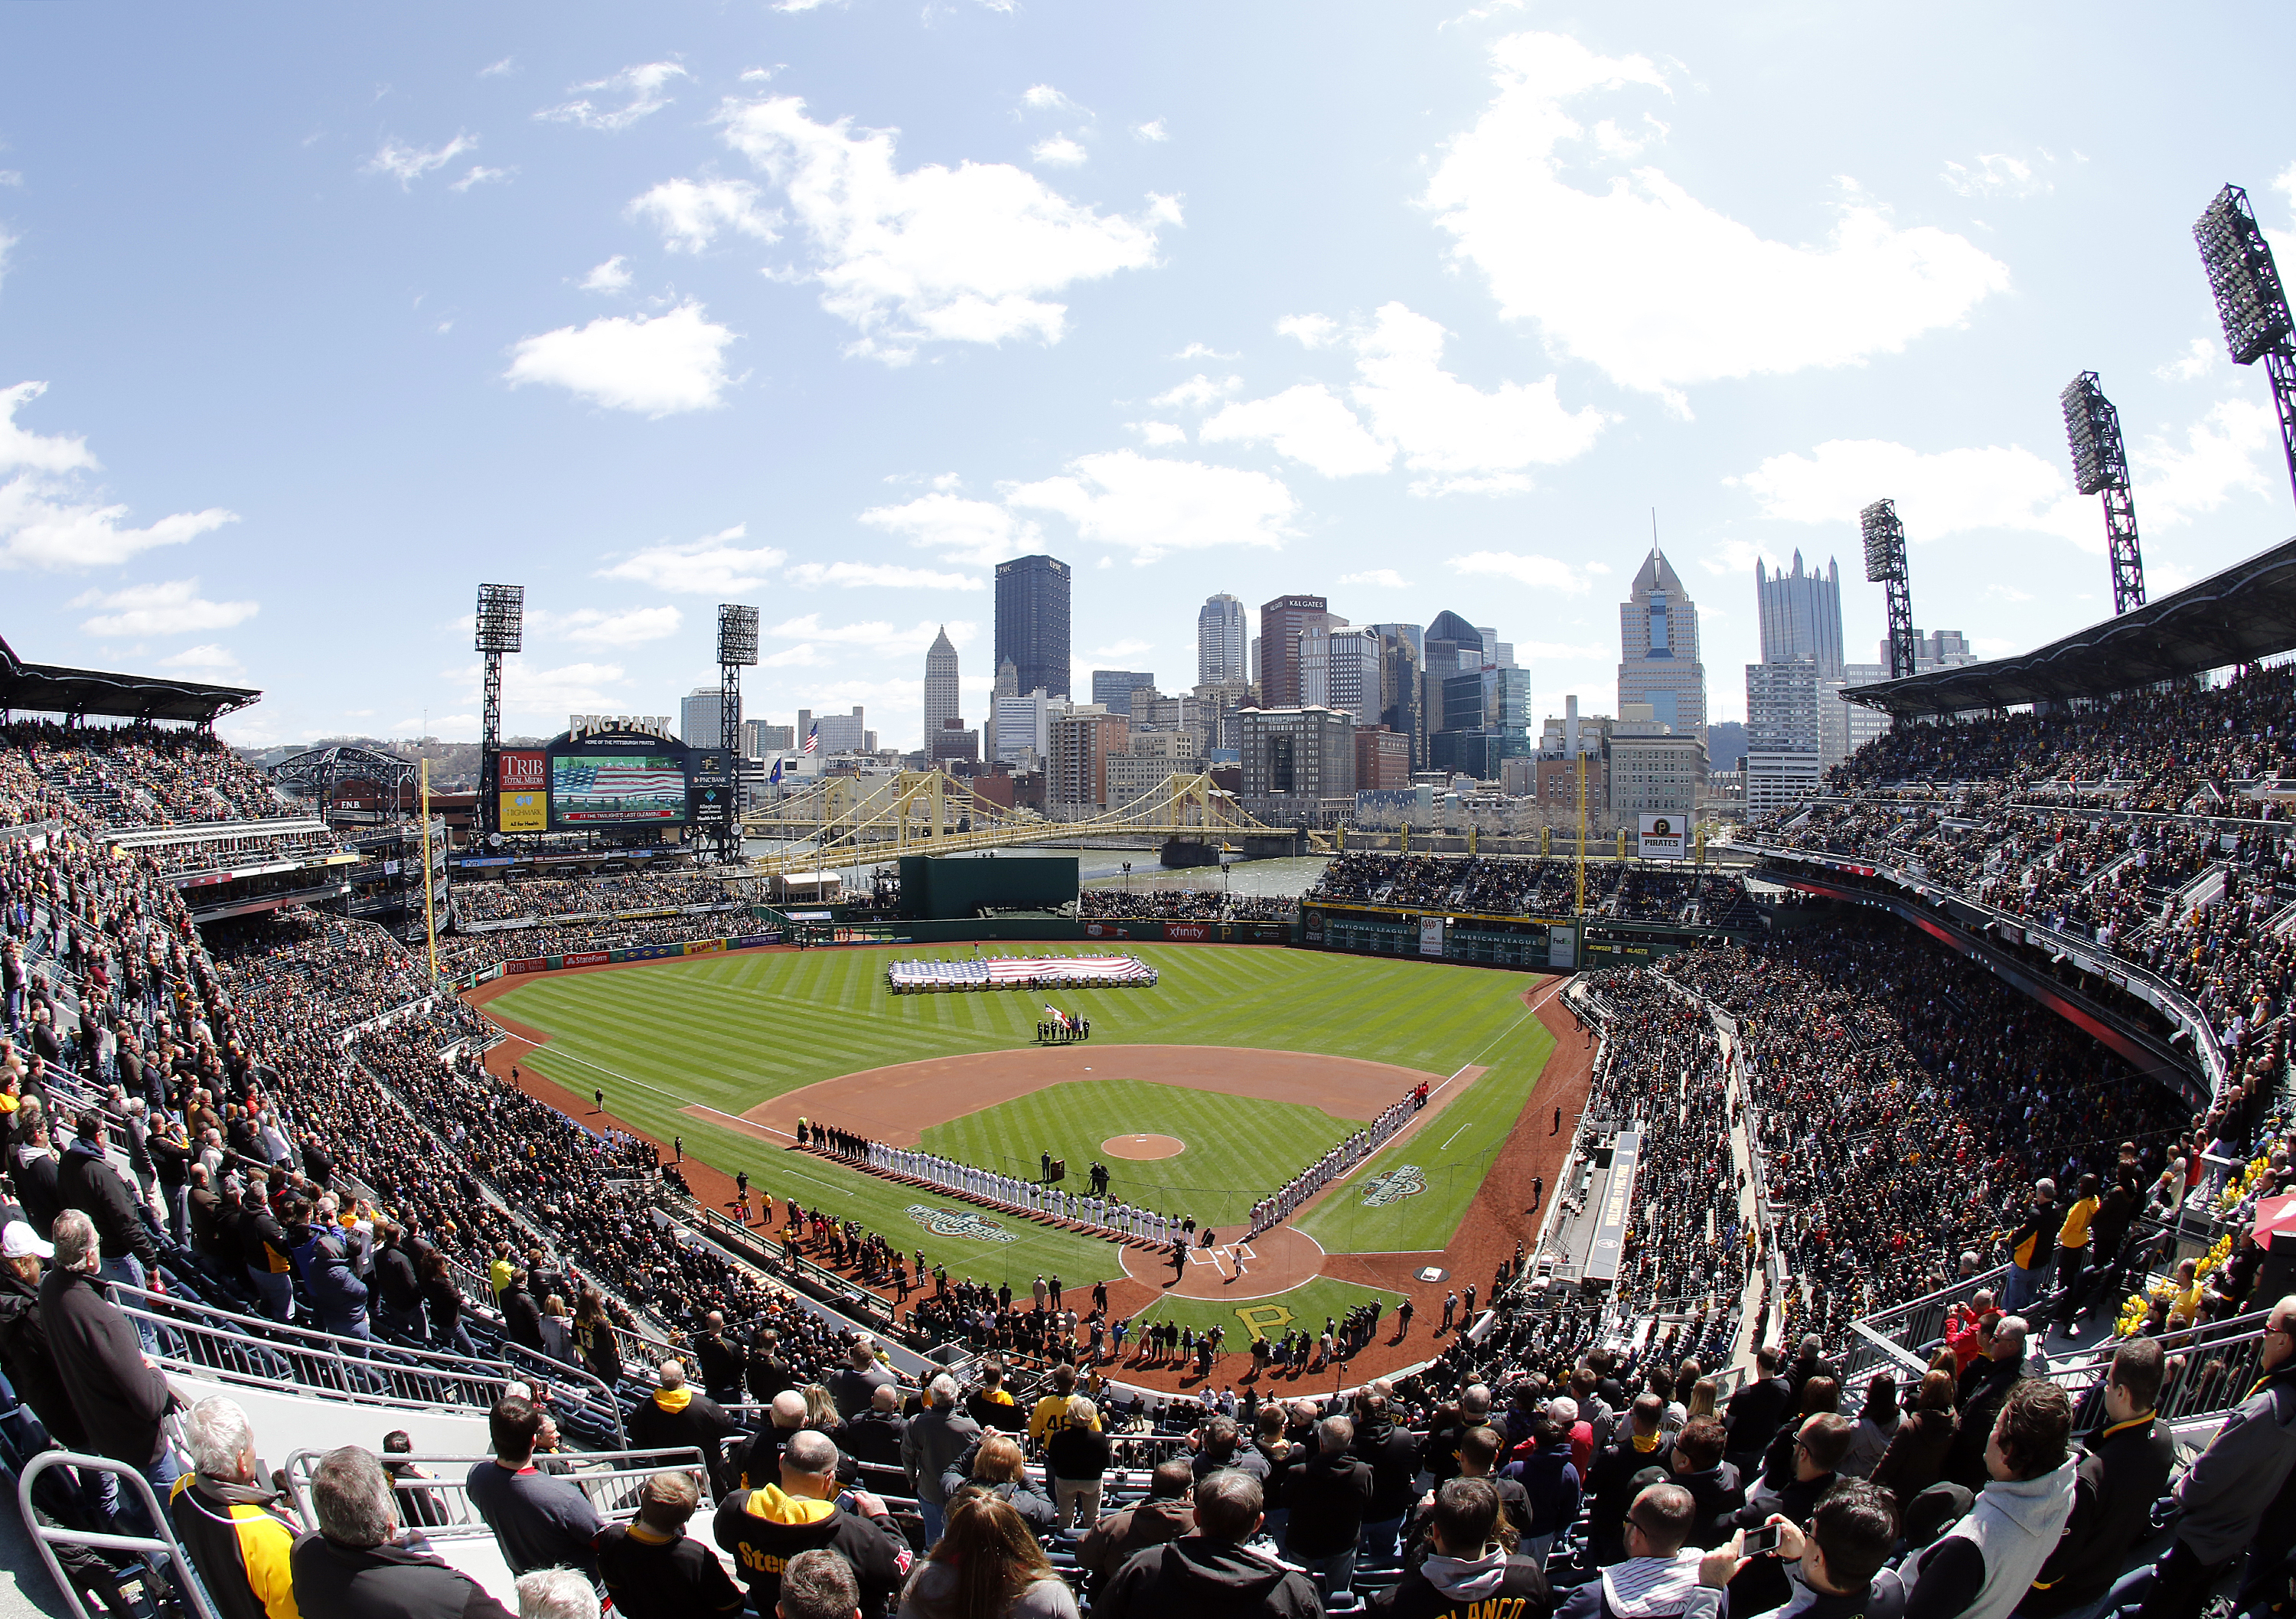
point(1885, 565)
point(2250, 303)
point(2100, 467)
point(737, 645)
point(502, 627)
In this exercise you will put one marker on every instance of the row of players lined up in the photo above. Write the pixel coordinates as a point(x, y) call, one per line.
point(1343, 1156)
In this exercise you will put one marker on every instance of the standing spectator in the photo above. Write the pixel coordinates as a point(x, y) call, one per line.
point(2029, 1259)
point(875, 1435)
point(1715, 1489)
point(653, 1570)
point(521, 1316)
point(352, 1566)
point(2114, 1487)
point(1819, 1445)
point(1640, 1446)
point(235, 1532)
point(539, 1520)
point(26, 1356)
point(1212, 1571)
point(32, 1168)
point(1916, 1458)
point(1328, 1496)
point(1076, 1458)
point(1982, 1567)
point(719, 1359)
point(263, 1248)
point(118, 1395)
point(1756, 1412)
point(556, 1593)
point(1984, 1388)
point(987, 1566)
point(2072, 1244)
point(2228, 1490)
point(1469, 1569)
point(1051, 1413)
point(1392, 1451)
point(860, 1377)
point(766, 1527)
point(1549, 1479)
point(936, 1437)
point(998, 1470)
point(674, 1417)
point(1877, 1425)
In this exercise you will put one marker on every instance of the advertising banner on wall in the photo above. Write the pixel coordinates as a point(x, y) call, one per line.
point(1431, 936)
point(521, 770)
point(525, 811)
point(710, 783)
point(1665, 837)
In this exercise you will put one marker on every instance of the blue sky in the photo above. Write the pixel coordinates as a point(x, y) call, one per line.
point(309, 322)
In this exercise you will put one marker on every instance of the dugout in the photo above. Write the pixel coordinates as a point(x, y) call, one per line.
point(939, 887)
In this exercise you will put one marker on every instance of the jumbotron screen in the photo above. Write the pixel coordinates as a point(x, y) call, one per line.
point(617, 789)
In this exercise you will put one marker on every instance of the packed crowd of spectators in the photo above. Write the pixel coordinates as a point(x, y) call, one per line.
point(135, 775)
point(1514, 886)
point(461, 953)
point(583, 895)
point(1184, 905)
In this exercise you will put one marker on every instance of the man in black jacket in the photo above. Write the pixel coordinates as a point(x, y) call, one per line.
point(674, 1417)
point(24, 1350)
point(1328, 1495)
point(1715, 1489)
point(1819, 1446)
point(1468, 1572)
point(1755, 1410)
point(1608, 1478)
point(1983, 1388)
point(397, 1287)
point(521, 1316)
point(719, 1358)
point(354, 1568)
point(1212, 1571)
point(32, 1168)
point(765, 1528)
point(119, 1394)
point(1392, 1451)
point(874, 1437)
point(2124, 1473)
point(88, 1183)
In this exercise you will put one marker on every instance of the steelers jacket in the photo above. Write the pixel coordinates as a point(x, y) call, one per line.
point(765, 1528)
point(237, 1538)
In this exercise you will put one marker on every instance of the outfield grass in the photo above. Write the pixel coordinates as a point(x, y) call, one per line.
point(1234, 1144)
point(728, 1032)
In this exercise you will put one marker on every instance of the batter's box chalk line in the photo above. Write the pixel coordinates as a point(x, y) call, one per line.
point(1225, 1254)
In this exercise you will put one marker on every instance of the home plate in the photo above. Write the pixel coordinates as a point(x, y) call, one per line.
point(1222, 1257)
point(1432, 1273)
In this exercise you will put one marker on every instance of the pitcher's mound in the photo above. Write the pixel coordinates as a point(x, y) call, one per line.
point(1144, 1147)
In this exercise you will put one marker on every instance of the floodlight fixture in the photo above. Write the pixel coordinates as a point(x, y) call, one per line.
point(2100, 467)
point(737, 635)
point(502, 615)
point(1885, 565)
point(2246, 283)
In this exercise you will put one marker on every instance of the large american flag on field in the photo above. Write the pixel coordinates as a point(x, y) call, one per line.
point(584, 779)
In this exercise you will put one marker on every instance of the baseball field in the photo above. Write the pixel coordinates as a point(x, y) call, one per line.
point(1201, 1094)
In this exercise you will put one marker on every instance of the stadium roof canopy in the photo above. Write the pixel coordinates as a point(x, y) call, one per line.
point(44, 689)
point(2245, 613)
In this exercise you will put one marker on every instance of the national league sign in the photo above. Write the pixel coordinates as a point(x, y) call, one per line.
point(1664, 837)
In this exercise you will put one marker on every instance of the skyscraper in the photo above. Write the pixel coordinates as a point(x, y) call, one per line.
point(1657, 648)
point(1801, 615)
point(1112, 688)
point(942, 703)
point(1221, 635)
point(698, 718)
point(1032, 621)
point(1282, 623)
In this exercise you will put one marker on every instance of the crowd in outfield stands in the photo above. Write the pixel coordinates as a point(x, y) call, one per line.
point(1514, 886)
point(461, 953)
point(1185, 904)
point(134, 776)
point(583, 895)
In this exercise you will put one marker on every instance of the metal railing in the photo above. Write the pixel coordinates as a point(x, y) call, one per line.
point(1901, 1338)
point(201, 1340)
point(2210, 1369)
point(48, 1536)
point(440, 1505)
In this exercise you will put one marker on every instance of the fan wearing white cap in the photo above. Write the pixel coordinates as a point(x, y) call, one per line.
point(24, 1348)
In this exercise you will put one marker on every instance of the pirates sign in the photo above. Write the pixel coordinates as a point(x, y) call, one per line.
point(1404, 1181)
point(958, 1222)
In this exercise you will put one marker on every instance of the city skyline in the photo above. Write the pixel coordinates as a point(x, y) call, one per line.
point(829, 308)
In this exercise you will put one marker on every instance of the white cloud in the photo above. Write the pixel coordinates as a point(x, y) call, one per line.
point(656, 365)
point(408, 164)
point(499, 70)
point(2232, 448)
point(530, 689)
point(1307, 424)
point(1542, 573)
point(1950, 492)
point(1542, 651)
point(876, 635)
point(712, 565)
point(1152, 130)
point(1311, 331)
point(478, 175)
point(1995, 175)
point(803, 657)
point(643, 89)
point(47, 519)
point(1465, 441)
point(7, 245)
point(1057, 152)
point(611, 277)
point(1384, 578)
point(1196, 393)
point(1731, 559)
point(1159, 435)
point(690, 213)
point(1655, 288)
point(1044, 98)
point(2198, 358)
point(977, 532)
point(1120, 649)
point(215, 662)
point(889, 576)
point(594, 627)
point(165, 609)
point(1149, 507)
point(968, 254)
point(1204, 351)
